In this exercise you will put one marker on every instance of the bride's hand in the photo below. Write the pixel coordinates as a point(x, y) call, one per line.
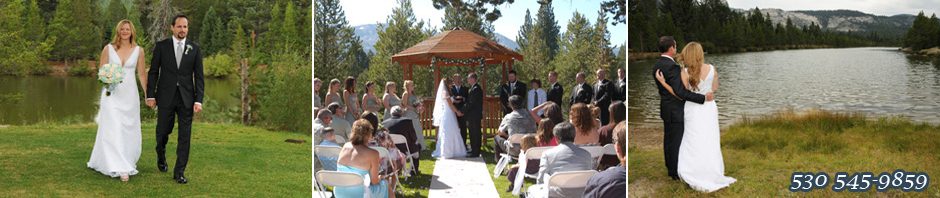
point(660, 78)
point(459, 113)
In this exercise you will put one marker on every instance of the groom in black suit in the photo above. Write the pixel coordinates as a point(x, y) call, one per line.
point(473, 114)
point(459, 94)
point(672, 107)
point(513, 87)
point(175, 85)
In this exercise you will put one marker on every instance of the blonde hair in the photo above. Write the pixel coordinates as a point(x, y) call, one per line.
point(388, 85)
point(116, 38)
point(407, 83)
point(693, 57)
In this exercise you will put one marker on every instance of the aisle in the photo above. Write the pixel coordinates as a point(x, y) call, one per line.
point(462, 177)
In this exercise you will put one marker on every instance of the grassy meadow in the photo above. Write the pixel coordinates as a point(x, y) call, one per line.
point(226, 160)
point(763, 152)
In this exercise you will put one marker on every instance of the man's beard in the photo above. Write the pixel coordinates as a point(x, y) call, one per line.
point(179, 36)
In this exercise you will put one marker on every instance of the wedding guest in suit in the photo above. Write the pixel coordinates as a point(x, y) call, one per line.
point(565, 157)
point(396, 124)
point(555, 89)
point(582, 92)
point(603, 92)
point(511, 88)
point(536, 96)
point(613, 181)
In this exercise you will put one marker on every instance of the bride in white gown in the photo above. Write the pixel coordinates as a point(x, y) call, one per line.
point(449, 142)
point(117, 144)
point(700, 161)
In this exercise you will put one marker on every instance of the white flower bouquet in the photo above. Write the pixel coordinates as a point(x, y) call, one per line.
point(110, 75)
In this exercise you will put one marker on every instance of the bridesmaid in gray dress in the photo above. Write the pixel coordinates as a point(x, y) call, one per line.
point(369, 101)
point(332, 94)
point(390, 98)
point(412, 106)
point(317, 102)
point(352, 102)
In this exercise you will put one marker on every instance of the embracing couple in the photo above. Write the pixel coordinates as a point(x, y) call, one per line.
point(692, 141)
point(174, 85)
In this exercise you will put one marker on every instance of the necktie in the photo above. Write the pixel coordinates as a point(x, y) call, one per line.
point(536, 99)
point(179, 54)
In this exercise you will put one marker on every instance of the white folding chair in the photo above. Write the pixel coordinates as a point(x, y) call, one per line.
point(610, 149)
point(341, 179)
point(596, 153)
point(524, 157)
point(340, 139)
point(327, 151)
point(505, 158)
point(568, 181)
point(409, 163)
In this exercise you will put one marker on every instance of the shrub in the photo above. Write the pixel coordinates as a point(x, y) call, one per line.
point(220, 65)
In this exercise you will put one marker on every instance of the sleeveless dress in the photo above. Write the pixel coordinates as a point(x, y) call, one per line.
point(393, 100)
point(372, 104)
point(411, 113)
point(700, 162)
point(334, 98)
point(353, 114)
point(379, 190)
point(117, 144)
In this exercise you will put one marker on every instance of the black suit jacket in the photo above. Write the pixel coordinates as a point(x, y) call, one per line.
point(164, 74)
point(621, 90)
point(671, 107)
point(462, 92)
point(473, 109)
point(555, 93)
point(581, 94)
point(405, 127)
point(604, 93)
point(505, 92)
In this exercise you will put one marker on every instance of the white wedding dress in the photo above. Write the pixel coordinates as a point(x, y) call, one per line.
point(700, 162)
point(117, 145)
point(449, 142)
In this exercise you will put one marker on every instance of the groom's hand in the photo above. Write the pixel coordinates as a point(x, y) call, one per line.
point(152, 103)
point(197, 107)
point(710, 96)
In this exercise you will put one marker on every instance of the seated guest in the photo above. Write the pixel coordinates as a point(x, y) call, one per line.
point(372, 118)
point(395, 160)
point(532, 167)
point(595, 113)
point(564, 157)
point(356, 157)
point(324, 117)
point(543, 134)
point(516, 122)
point(585, 124)
point(340, 126)
point(329, 163)
point(618, 113)
point(396, 124)
point(549, 110)
point(613, 181)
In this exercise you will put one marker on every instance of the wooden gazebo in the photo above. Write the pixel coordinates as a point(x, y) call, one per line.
point(459, 48)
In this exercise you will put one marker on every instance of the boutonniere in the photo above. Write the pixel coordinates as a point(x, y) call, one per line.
point(188, 47)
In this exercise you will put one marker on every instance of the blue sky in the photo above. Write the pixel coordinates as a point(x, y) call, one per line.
point(877, 7)
point(360, 12)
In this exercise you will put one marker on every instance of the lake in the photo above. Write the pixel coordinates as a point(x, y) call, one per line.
point(32, 99)
point(877, 81)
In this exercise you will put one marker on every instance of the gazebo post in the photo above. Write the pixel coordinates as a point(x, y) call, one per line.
point(503, 64)
point(509, 62)
point(407, 71)
point(437, 76)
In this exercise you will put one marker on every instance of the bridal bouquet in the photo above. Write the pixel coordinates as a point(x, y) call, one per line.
point(111, 75)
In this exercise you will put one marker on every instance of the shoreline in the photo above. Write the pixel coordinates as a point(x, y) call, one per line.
point(636, 56)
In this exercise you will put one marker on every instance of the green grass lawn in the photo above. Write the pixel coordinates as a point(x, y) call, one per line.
point(226, 160)
point(762, 154)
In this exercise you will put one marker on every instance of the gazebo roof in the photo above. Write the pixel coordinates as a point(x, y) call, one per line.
point(456, 44)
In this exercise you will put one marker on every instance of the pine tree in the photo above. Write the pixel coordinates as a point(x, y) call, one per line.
point(603, 55)
point(37, 25)
point(577, 50)
point(160, 16)
point(272, 36)
point(210, 30)
point(134, 16)
point(545, 20)
point(74, 43)
point(399, 32)
point(336, 47)
point(240, 41)
point(289, 38)
point(464, 18)
point(18, 55)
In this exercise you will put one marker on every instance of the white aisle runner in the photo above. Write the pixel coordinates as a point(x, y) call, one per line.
point(462, 177)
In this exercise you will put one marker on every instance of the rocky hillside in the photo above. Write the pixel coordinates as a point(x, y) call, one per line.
point(842, 20)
